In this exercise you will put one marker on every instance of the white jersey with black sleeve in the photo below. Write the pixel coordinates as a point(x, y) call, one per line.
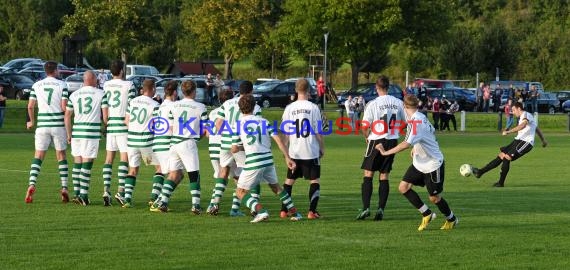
point(385, 115)
point(527, 133)
point(427, 156)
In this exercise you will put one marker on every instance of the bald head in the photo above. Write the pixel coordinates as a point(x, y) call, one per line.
point(89, 78)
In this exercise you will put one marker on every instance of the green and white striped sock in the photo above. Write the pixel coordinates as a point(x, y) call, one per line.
point(35, 169)
point(219, 189)
point(256, 192)
point(195, 191)
point(286, 200)
point(157, 182)
point(130, 182)
point(107, 174)
point(76, 178)
point(123, 170)
point(167, 190)
point(85, 178)
point(252, 203)
point(235, 202)
point(63, 173)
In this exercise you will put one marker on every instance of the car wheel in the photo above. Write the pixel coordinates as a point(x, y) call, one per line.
point(19, 95)
point(265, 103)
point(551, 110)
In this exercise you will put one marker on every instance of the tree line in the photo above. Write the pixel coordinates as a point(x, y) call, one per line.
point(525, 39)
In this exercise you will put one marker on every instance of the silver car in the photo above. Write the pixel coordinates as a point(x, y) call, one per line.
point(74, 82)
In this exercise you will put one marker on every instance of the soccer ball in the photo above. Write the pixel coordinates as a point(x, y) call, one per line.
point(465, 170)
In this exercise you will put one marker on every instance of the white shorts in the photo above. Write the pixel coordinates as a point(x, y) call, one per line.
point(45, 135)
point(226, 158)
point(117, 143)
point(234, 169)
point(250, 178)
point(137, 154)
point(162, 158)
point(85, 148)
point(184, 155)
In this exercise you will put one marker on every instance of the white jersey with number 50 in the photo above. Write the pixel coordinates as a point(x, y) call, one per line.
point(141, 109)
point(118, 93)
point(301, 119)
point(49, 93)
point(386, 117)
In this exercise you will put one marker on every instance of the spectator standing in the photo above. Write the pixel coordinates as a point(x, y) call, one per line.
point(451, 112)
point(497, 94)
point(219, 85)
point(321, 91)
point(101, 78)
point(349, 111)
point(486, 98)
point(479, 96)
point(534, 94)
point(444, 117)
point(2, 105)
point(209, 88)
point(435, 113)
point(509, 114)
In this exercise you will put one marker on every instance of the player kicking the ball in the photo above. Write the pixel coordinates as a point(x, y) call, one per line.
point(259, 161)
point(427, 167)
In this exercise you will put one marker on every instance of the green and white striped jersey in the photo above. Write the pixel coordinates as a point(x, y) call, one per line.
point(162, 141)
point(49, 93)
point(230, 113)
point(141, 110)
point(86, 106)
point(256, 140)
point(214, 140)
point(187, 114)
point(118, 93)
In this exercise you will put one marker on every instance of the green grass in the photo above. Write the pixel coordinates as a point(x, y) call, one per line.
point(524, 225)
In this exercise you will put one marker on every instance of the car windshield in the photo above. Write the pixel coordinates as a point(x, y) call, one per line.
point(75, 78)
point(265, 87)
point(361, 89)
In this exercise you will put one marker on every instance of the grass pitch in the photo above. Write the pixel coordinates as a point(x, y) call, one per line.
point(523, 225)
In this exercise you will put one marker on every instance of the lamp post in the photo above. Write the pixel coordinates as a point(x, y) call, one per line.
point(325, 70)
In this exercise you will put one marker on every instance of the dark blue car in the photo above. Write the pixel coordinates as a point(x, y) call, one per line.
point(368, 92)
point(465, 98)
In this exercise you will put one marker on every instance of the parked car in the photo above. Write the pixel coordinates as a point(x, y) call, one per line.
point(465, 98)
point(263, 80)
point(234, 85)
point(368, 92)
point(312, 86)
point(200, 88)
point(566, 106)
point(140, 70)
point(273, 94)
point(74, 82)
point(433, 83)
point(139, 79)
point(34, 75)
point(16, 86)
point(547, 102)
point(19, 63)
point(562, 96)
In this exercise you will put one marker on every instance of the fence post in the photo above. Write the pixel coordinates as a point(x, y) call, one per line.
point(500, 121)
point(462, 128)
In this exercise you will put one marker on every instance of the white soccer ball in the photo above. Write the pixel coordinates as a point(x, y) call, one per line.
point(465, 170)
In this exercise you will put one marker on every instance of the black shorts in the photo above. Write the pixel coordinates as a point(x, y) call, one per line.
point(433, 181)
point(517, 149)
point(374, 161)
point(310, 169)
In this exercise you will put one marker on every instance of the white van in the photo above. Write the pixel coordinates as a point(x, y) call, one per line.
point(140, 70)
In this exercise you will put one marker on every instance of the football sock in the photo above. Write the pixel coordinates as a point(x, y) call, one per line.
point(123, 170)
point(85, 178)
point(157, 181)
point(314, 195)
point(493, 164)
point(252, 203)
point(288, 189)
point(63, 173)
point(130, 182)
point(414, 198)
point(107, 173)
point(256, 191)
point(366, 192)
point(167, 189)
point(287, 201)
point(35, 170)
point(383, 191)
point(424, 209)
point(76, 178)
point(235, 202)
point(219, 188)
point(504, 171)
point(444, 208)
point(195, 186)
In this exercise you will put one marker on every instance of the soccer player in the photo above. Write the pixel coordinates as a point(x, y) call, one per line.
point(254, 136)
point(385, 117)
point(226, 123)
point(521, 145)
point(214, 141)
point(85, 105)
point(306, 146)
point(50, 95)
point(427, 169)
point(188, 115)
point(118, 93)
point(139, 140)
point(162, 139)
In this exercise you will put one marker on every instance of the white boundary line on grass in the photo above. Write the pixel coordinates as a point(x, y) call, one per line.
point(21, 171)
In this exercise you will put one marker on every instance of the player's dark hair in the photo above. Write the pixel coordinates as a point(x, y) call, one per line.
point(188, 88)
point(245, 87)
point(50, 67)
point(170, 88)
point(519, 105)
point(383, 82)
point(246, 104)
point(411, 101)
point(116, 67)
point(302, 86)
point(225, 95)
